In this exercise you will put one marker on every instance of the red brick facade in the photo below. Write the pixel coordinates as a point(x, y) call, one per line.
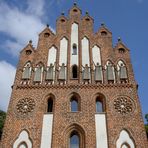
point(64, 121)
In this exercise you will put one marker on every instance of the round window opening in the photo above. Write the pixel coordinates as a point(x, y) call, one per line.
point(123, 105)
point(25, 106)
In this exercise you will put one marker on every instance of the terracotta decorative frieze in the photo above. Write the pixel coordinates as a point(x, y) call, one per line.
point(25, 106)
point(123, 105)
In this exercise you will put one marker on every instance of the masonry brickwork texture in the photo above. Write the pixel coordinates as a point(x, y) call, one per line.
point(63, 119)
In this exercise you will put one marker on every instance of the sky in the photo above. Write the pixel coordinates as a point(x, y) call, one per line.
point(23, 20)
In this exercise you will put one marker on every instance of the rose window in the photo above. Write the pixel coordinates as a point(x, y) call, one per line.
point(123, 105)
point(25, 106)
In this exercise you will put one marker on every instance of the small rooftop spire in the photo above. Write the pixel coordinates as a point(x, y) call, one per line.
point(30, 42)
point(86, 13)
point(119, 39)
point(102, 24)
point(75, 4)
point(63, 13)
point(47, 25)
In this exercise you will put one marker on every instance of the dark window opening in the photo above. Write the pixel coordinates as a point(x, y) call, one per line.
point(74, 140)
point(23, 144)
point(103, 33)
point(125, 145)
point(74, 71)
point(28, 52)
point(121, 50)
point(87, 19)
point(46, 35)
point(99, 105)
point(74, 49)
point(50, 106)
point(62, 20)
point(74, 104)
point(75, 10)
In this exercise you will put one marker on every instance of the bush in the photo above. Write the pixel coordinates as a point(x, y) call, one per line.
point(2, 120)
point(146, 125)
point(146, 128)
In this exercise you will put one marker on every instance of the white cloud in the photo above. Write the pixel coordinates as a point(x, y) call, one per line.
point(7, 72)
point(20, 26)
point(36, 7)
point(12, 47)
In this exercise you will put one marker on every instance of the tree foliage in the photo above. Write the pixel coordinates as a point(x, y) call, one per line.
point(146, 125)
point(146, 117)
point(2, 120)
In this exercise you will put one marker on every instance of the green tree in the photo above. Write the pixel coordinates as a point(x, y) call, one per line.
point(2, 120)
point(146, 117)
point(146, 125)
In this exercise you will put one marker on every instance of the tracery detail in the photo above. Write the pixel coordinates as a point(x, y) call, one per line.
point(25, 106)
point(123, 105)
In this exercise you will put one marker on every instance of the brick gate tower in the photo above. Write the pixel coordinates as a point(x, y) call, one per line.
point(75, 90)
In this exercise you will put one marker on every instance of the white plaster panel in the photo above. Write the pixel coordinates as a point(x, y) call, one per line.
point(96, 55)
point(23, 137)
point(47, 131)
point(74, 40)
point(124, 138)
point(85, 51)
point(101, 132)
point(52, 56)
point(63, 51)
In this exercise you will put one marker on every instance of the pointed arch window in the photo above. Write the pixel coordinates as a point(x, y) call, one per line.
point(38, 73)
point(23, 145)
point(74, 140)
point(125, 145)
point(74, 71)
point(50, 105)
point(74, 47)
point(50, 73)
point(99, 105)
point(125, 140)
point(122, 71)
point(110, 72)
point(75, 136)
point(98, 73)
point(24, 142)
point(26, 71)
point(74, 104)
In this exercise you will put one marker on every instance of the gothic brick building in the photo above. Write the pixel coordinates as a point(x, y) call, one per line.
point(75, 90)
